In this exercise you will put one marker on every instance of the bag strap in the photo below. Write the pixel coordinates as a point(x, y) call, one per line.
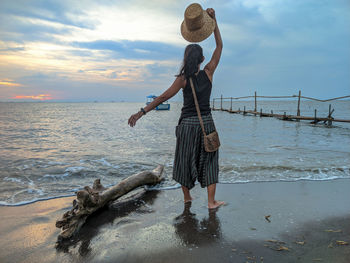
point(197, 107)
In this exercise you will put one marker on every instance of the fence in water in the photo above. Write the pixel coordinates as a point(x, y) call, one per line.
point(328, 120)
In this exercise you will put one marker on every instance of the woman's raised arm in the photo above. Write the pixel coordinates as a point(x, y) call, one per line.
point(169, 93)
point(215, 58)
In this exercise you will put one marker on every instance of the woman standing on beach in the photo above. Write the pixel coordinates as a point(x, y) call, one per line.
point(191, 161)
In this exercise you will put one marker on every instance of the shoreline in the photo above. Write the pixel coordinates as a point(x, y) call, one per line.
point(157, 227)
point(169, 188)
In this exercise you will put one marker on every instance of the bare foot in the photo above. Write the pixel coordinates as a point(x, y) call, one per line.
point(188, 200)
point(216, 204)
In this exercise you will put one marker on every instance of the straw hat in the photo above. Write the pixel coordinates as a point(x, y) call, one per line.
point(197, 25)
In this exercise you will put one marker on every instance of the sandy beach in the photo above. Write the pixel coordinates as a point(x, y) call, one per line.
point(307, 218)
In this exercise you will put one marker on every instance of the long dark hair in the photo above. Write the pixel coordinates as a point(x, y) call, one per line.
point(193, 56)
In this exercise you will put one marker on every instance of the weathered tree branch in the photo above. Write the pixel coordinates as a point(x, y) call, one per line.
point(90, 200)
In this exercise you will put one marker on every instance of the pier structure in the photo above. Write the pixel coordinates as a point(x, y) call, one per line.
point(328, 120)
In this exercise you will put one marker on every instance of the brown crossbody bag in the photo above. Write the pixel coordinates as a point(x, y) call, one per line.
point(211, 141)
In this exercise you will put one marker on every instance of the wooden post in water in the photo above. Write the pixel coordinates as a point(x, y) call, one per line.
point(329, 123)
point(244, 111)
point(231, 104)
point(315, 121)
point(255, 102)
point(260, 112)
point(221, 101)
point(298, 109)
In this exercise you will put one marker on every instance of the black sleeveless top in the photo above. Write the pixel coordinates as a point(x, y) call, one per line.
point(202, 86)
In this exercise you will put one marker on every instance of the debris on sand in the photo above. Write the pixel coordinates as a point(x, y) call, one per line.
point(268, 218)
point(276, 245)
point(334, 231)
point(342, 243)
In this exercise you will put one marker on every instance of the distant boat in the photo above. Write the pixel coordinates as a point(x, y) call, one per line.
point(163, 106)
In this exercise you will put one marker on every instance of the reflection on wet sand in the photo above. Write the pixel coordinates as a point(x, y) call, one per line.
point(114, 214)
point(194, 232)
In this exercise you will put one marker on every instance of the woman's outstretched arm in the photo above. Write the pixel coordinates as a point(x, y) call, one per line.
point(178, 83)
point(213, 63)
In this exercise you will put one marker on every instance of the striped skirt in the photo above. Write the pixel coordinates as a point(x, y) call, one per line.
point(191, 161)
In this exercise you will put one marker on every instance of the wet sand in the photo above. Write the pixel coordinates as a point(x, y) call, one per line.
point(157, 227)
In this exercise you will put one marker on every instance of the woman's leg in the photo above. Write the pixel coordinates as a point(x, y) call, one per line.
point(212, 203)
point(187, 195)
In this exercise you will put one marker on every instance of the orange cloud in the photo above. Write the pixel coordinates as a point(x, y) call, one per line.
point(34, 97)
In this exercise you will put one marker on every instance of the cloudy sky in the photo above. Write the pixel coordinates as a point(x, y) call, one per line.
point(125, 50)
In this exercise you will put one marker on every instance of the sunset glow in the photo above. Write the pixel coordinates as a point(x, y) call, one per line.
point(10, 84)
point(125, 50)
point(34, 97)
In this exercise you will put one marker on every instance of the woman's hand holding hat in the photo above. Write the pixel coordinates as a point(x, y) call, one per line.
point(211, 13)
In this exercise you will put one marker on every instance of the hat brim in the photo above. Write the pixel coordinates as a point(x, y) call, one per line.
point(200, 34)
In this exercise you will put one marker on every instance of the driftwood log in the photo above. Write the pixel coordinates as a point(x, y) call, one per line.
point(92, 199)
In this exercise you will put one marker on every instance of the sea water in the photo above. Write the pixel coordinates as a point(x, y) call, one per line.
point(49, 150)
